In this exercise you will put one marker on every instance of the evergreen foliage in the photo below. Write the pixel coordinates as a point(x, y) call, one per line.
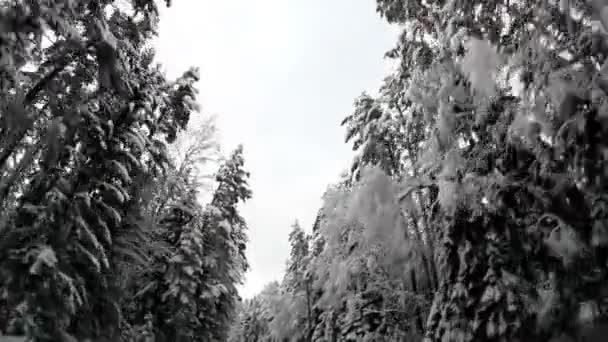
point(102, 236)
point(474, 210)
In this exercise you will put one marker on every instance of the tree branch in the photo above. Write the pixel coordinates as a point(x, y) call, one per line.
point(42, 83)
point(30, 96)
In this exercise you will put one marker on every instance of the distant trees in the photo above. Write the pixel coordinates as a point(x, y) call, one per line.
point(255, 316)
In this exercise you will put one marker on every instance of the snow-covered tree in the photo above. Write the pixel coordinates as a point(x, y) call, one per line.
point(102, 234)
point(513, 175)
point(79, 136)
point(225, 241)
point(489, 144)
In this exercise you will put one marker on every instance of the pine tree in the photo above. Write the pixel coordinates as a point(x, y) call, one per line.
point(293, 316)
point(224, 242)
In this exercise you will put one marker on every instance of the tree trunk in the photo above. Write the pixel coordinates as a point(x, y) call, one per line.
point(418, 313)
point(429, 238)
point(309, 313)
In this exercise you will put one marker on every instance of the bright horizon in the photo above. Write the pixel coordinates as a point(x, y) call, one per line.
point(280, 75)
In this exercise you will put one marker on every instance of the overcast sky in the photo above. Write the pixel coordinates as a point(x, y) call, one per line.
point(281, 75)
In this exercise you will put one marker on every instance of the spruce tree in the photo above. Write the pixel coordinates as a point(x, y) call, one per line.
point(225, 240)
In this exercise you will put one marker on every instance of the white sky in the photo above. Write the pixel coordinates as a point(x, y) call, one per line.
point(281, 75)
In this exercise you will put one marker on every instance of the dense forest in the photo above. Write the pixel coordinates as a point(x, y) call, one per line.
point(474, 209)
point(102, 234)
